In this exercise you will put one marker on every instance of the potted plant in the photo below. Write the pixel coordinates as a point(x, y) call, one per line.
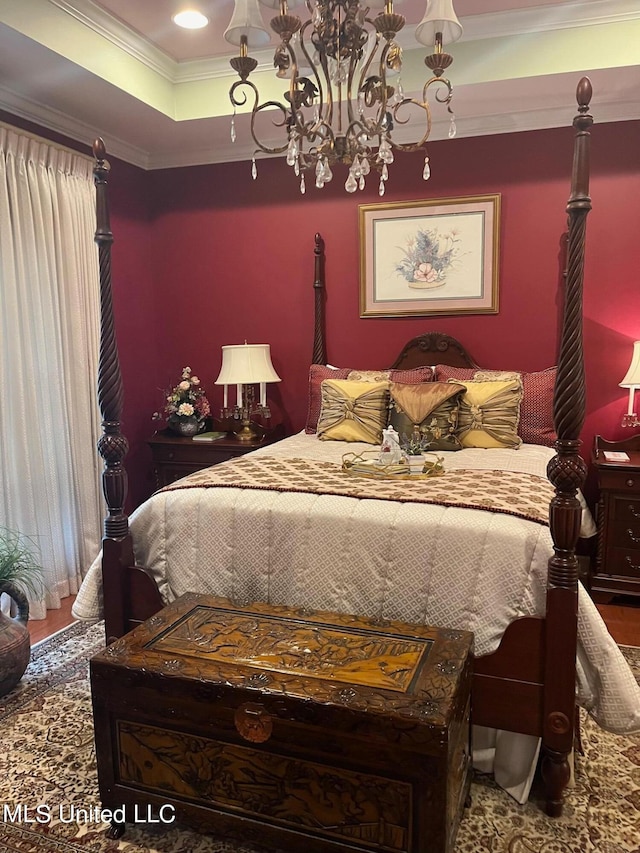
point(414, 447)
point(20, 575)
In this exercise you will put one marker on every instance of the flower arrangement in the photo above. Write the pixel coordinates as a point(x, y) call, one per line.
point(428, 256)
point(187, 399)
point(415, 444)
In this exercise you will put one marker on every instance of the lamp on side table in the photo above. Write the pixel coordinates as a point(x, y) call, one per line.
point(245, 366)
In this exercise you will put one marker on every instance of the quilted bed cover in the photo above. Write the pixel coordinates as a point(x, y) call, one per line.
point(430, 564)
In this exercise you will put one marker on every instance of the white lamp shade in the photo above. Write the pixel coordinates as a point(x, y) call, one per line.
point(247, 21)
point(632, 376)
point(439, 17)
point(244, 364)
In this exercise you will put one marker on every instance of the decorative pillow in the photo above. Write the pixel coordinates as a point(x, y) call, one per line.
point(536, 409)
point(444, 373)
point(353, 411)
point(408, 377)
point(317, 374)
point(489, 414)
point(432, 407)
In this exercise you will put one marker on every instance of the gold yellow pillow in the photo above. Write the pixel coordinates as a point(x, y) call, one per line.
point(353, 411)
point(489, 413)
point(432, 407)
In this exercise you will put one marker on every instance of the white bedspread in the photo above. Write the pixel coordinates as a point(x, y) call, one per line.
point(448, 566)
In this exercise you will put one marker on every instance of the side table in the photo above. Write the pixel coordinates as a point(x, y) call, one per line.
point(175, 456)
point(618, 517)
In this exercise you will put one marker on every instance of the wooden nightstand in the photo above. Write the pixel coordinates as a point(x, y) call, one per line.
point(618, 516)
point(175, 457)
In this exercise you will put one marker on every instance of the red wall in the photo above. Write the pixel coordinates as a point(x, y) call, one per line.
point(205, 256)
point(234, 261)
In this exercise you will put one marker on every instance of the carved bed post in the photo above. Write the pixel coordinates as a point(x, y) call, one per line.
point(567, 472)
point(112, 445)
point(319, 344)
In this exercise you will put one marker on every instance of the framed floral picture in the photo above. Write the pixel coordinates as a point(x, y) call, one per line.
point(430, 257)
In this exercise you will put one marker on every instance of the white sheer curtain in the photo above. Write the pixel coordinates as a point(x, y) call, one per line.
point(49, 338)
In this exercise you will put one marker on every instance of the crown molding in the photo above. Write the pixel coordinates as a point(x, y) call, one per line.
point(538, 19)
point(59, 122)
point(105, 25)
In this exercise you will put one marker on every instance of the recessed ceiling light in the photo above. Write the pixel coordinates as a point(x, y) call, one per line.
point(190, 19)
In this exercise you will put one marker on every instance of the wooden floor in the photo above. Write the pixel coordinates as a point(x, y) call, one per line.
point(622, 618)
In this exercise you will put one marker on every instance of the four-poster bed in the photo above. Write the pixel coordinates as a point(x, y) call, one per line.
point(527, 683)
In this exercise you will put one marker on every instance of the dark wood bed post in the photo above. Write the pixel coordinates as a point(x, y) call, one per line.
point(121, 579)
point(113, 445)
point(567, 472)
point(319, 343)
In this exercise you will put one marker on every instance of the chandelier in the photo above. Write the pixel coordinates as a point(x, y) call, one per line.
point(345, 95)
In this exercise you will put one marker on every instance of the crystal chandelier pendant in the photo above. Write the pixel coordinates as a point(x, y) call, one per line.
point(452, 127)
point(296, 167)
point(292, 150)
point(361, 182)
point(303, 188)
point(233, 128)
point(384, 175)
point(426, 172)
point(381, 187)
point(254, 168)
point(351, 184)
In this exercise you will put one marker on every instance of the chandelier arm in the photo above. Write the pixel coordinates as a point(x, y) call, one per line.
point(412, 146)
point(365, 70)
point(444, 82)
point(254, 113)
point(241, 99)
point(312, 65)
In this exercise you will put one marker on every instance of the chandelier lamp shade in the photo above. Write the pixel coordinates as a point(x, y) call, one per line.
point(345, 97)
point(632, 382)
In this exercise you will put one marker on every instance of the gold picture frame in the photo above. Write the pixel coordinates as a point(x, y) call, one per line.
point(430, 257)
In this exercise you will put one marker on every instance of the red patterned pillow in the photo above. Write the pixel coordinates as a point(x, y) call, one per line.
point(317, 374)
point(536, 408)
point(444, 373)
point(415, 376)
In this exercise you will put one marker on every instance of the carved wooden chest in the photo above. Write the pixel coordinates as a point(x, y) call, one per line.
point(298, 730)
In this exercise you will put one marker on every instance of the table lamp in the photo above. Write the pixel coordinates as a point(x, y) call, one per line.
point(632, 382)
point(245, 366)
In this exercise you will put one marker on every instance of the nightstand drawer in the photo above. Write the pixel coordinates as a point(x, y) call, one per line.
point(623, 562)
point(624, 523)
point(620, 480)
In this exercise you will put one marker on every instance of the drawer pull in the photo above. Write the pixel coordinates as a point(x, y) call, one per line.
point(631, 536)
point(634, 512)
point(630, 483)
point(634, 566)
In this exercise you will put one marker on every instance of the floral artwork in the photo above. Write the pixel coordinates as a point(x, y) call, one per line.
point(439, 256)
point(427, 256)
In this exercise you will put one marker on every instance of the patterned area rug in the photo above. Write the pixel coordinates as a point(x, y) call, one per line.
point(48, 760)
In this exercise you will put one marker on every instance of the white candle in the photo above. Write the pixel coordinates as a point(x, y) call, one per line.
point(226, 396)
point(263, 394)
point(239, 395)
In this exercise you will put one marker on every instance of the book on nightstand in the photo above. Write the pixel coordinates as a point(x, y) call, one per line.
point(209, 436)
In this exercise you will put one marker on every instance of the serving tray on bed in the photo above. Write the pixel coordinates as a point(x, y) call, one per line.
point(366, 465)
